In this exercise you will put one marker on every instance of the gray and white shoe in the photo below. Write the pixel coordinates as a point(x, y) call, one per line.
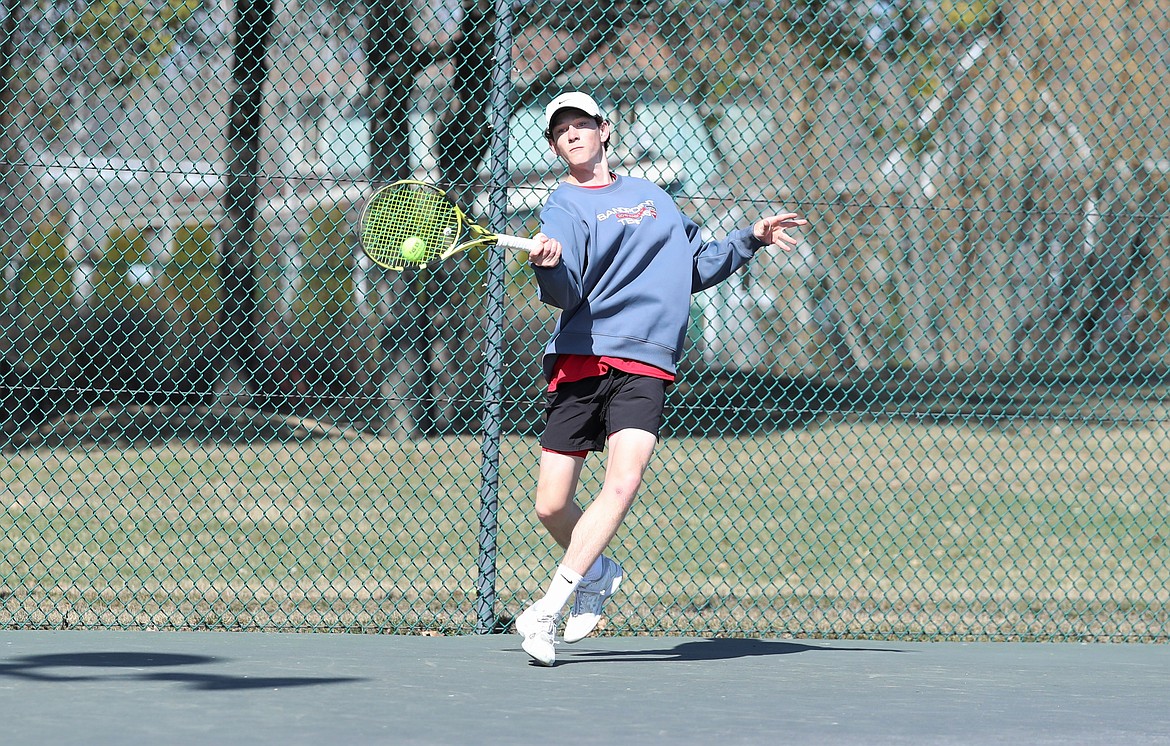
point(590, 599)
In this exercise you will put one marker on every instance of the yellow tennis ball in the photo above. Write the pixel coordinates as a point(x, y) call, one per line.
point(414, 249)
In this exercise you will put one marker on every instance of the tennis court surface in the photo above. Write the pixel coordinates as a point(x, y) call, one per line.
point(136, 687)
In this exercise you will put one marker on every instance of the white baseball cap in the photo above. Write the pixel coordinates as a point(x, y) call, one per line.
point(570, 100)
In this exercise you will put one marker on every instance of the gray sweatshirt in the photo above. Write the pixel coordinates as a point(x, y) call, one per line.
point(630, 264)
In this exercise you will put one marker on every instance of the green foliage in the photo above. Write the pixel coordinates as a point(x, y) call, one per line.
point(191, 276)
point(326, 242)
point(928, 69)
point(125, 248)
point(46, 278)
point(131, 36)
point(45, 298)
point(968, 15)
point(324, 301)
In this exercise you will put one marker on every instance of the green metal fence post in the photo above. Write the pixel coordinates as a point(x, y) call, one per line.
point(494, 320)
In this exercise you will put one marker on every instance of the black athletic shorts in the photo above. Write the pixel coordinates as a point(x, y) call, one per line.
point(580, 415)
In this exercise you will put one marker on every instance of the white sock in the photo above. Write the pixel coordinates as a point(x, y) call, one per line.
point(594, 572)
point(564, 582)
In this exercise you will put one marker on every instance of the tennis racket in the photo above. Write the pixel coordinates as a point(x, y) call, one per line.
point(415, 224)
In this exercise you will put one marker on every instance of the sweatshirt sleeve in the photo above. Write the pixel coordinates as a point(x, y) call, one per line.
point(562, 286)
point(715, 261)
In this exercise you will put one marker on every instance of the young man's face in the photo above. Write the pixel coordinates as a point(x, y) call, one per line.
point(577, 138)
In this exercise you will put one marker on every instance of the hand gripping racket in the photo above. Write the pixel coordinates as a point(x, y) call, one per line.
point(414, 224)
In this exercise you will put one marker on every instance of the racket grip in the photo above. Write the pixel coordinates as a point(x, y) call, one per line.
point(516, 243)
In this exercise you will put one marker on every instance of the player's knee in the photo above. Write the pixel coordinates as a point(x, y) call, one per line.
point(624, 489)
point(551, 512)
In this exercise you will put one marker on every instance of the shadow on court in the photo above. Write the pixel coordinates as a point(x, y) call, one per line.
point(711, 649)
point(123, 666)
point(197, 688)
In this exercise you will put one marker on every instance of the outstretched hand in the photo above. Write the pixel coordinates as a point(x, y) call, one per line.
point(773, 230)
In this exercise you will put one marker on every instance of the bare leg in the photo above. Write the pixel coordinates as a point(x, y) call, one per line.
point(556, 485)
point(629, 455)
point(586, 534)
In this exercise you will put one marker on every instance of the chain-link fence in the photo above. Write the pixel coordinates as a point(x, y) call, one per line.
point(943, 415)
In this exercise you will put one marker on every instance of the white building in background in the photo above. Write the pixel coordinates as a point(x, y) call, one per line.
point(94, 194)
point(157, 163)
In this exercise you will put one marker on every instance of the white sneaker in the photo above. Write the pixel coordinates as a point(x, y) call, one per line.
point(539, 630)
point(586, 611)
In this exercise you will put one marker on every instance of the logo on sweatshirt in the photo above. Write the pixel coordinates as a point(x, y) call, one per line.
point(630, 215)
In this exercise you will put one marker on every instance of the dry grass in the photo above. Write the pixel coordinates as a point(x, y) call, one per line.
point(879, 529)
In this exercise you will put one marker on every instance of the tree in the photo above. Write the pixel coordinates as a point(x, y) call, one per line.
point(127, 39)
point(237, 339)
point(394, 57)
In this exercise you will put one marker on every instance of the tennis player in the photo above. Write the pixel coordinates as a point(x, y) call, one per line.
point(621, 262)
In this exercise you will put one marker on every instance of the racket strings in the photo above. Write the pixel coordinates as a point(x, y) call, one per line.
point(402, 212)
